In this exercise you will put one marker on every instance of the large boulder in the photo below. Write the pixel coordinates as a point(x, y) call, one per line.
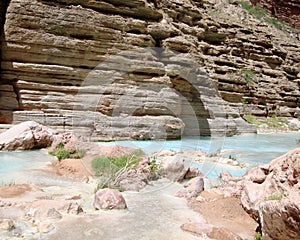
point(192, 188)
point(25, 136)
point(109, 199)
point(278, 178)
point(176, 166)
point(270, 194)
point(280, 219)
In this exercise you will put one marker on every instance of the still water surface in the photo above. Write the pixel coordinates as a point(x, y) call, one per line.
point(249, 149)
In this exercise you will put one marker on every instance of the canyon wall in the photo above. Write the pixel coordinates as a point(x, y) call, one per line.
point(99, 67)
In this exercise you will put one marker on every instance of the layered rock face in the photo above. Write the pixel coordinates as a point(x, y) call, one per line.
point(98, 67)
point(288, 11)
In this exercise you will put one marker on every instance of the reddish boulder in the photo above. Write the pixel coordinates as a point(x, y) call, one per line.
point(192, 188)
point(109, 199)
point(25, 136)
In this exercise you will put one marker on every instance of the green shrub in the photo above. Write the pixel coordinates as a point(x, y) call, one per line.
point(244, 101)
point(275, 197)
point(111, 165)
point(109, 169)
point(102, 166)
point(275, 122)
point(250, 119)
point(231, 133)
point(106, 184)
point(124, 161)
point(61, 153)
point(276, 23)
point(258, 236)
point(248, 75)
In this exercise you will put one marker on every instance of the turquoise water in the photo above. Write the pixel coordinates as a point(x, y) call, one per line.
point(14, 165)
point(251, 150)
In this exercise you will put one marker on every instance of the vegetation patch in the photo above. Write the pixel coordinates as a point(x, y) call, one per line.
point(273, 122)
point(109, 166)
point(61, 153)
point(249, 76)
point(277, 197)
point(258, 236)
point(256, 11)
point(109, 169)
point(262, 14)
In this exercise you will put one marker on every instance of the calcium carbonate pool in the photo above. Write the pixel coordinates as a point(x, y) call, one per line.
point(249, 149)
point(252, 150)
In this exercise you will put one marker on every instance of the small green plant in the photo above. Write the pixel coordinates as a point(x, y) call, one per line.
point(110, 169)
point(103, 166)
point(244, 101)
point(275, 122)
point(274, 197)
point(250, 119)
point(276, 23)
point(249, 76)
point(258, 236)
point(111, 165)
point(61, 153)
point(154, 167)
point(231, 133)
point(298, 141)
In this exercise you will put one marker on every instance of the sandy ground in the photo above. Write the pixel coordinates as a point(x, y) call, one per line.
point(14, 190)
point(225, 213)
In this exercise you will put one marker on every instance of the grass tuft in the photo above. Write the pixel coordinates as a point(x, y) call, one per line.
point(61, 153)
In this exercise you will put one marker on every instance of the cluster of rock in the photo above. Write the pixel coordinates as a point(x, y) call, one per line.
point(270, 194)
point(50, 54)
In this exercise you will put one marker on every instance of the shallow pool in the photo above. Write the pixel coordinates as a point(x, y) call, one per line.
point(251, 150)
point(14, 166)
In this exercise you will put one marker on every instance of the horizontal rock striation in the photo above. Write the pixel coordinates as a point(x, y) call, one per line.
point(97, 67)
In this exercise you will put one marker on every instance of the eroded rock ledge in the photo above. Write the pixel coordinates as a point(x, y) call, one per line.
point(50, 51)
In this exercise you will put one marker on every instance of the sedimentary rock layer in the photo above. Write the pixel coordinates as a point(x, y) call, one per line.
point(83, 65)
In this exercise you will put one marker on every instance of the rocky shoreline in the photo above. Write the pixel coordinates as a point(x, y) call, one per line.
point(38, 211)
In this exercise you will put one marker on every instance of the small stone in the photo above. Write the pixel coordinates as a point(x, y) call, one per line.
point(200, 199)
point(6, 224)
point(54, 214)
point(45, 227)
